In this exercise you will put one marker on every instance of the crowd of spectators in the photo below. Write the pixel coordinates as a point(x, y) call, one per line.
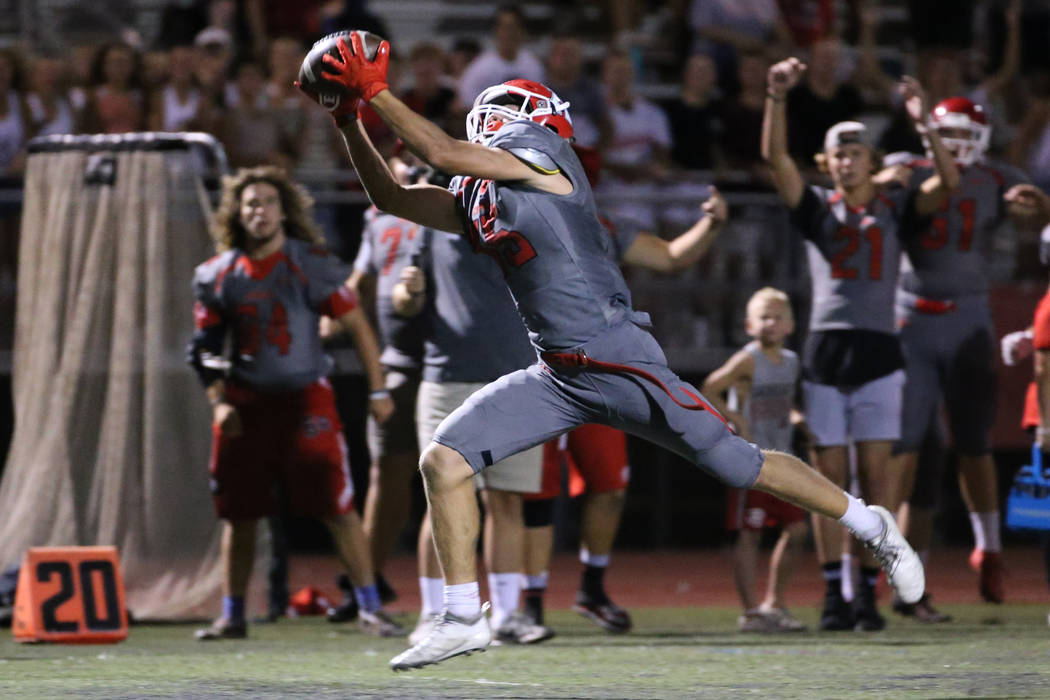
point(226, 67)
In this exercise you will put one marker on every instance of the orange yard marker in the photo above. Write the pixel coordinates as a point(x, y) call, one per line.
point(73, 595)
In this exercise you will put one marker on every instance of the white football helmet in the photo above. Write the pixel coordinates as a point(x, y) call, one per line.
point(963, 127)
point(514, 100)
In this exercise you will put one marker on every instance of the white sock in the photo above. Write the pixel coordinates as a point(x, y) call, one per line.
point(504, 590)
point(986, 535)
point(463, 600)
point(432, 594)
point(846, 585)
point(861, 521)
point(538, 582)
point(588, 559)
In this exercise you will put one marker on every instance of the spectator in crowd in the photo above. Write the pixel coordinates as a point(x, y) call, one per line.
point(214, 50)
point(637, 157)
point(1031, 149)
point(937, 24)
point(695, 116)
point(49, 104)
point(742, 116)
point(176, 104)
point(463, 52)
point(565, 76)
point(431, 93)
point(820, 101)
point(724, 29)
point(15, 129)
point(117, 98)
point(808, 20)
point(507, 59)
point(338, 15)
point(252, 134)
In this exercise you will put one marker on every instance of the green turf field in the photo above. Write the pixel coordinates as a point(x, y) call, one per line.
point(987, 652)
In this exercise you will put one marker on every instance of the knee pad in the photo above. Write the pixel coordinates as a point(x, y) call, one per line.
point(539, 513)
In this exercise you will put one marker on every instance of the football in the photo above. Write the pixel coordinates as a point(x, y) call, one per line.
point(310, 72)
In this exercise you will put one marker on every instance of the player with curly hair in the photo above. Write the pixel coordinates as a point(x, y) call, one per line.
point(274, 422)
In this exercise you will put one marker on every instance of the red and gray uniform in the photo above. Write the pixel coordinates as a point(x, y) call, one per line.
point(942, 308)
point(599, 363)
point(852, 356)
point(767, 410)
point(595, 456)
point(387, 245)
point(291, 432)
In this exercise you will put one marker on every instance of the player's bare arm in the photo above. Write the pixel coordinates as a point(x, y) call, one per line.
point(1027, 206)
point(935, 189)
point(425, 205)
point(457, 157)
point(786, 178)
point(364, 286)
point(737, 373)
point(424, 138)
point(655, 253)
point(380, 404)
point(223, 413)
point(409, 294)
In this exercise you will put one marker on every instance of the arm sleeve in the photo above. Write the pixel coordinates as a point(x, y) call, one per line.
point(204, 353)
point(807, 214)
point(363, 261)
point(326, 290)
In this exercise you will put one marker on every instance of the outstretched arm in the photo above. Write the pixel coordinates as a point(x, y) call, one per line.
point(782, 77)
point(367, 79)
point(934, 189)
point(426, 205)
point(652, 252)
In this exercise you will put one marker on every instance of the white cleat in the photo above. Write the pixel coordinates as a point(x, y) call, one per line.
point(451, 636)
point(423, 628)
point(518, 629)
point(902, 565)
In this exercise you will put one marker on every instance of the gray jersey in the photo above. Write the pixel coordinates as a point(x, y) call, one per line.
point(854, 256)
point(387, 245)
point(473, 333)
point(558, 260)
point(950, 257)
point(772, 396)
point(273, 307)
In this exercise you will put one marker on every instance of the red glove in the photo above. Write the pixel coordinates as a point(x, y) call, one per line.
point(343, 113)
point(355, 72)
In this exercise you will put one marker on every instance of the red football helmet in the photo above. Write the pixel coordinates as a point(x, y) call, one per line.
point(963, 128)
point(514, 100)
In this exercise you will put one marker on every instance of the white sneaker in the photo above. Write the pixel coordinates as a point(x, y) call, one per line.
point(519, 629)
point(451, 636)
point(379, 623)
point(902, 565)
point(423, 627)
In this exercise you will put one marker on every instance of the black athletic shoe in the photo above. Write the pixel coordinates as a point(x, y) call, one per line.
point(346, 610)
point(923, 611)
point(607, 614)
point(837, 615)
point(387, 594)
point(866, 612)
point(222, 629)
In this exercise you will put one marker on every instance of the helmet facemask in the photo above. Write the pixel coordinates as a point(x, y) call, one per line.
point(512, 101)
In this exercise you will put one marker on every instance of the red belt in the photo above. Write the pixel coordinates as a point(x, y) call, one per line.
point(933, 306)
point(580, 359)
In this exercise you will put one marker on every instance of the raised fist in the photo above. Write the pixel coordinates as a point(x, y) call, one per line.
point(784, 75)
point(715, 206)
